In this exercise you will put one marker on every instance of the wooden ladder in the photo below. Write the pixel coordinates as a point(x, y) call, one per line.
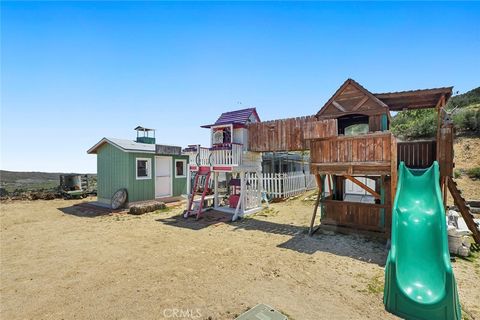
point(464, 209)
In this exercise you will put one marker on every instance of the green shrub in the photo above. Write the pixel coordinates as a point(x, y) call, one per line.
point(412, 124)
point(474, 173)
point(457, 173)
point(467, 120)
point(465, 99)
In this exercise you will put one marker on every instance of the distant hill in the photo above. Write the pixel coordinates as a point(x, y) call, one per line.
point(12, 180)
point(419, 124)
point(466, 99)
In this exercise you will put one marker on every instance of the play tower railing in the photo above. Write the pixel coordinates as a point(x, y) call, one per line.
point(227, 154)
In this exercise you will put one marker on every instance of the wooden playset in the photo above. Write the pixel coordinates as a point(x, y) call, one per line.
point(348, 140)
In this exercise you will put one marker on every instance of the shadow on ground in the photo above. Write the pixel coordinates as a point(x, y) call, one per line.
point(86, 210)
point(208, 219)
point(354, 246)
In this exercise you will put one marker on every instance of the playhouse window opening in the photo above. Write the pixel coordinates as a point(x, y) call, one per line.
point(143, 168)
point(180, 168)
point(222, 135)
point(353, 124)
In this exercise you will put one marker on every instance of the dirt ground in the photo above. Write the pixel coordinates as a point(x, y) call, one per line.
point(59, 263)
point(467, 156)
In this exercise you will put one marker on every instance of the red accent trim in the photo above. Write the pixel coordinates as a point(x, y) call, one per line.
point(222, 168)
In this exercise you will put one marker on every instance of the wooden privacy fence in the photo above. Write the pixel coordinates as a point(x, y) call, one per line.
point(417, 154)
point(291, 134)
point(283, 185)
point(366, 216)
point(362, 148)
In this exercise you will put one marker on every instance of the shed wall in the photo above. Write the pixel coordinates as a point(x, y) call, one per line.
point(179, 185)
point(140, 190)
point(112, 168)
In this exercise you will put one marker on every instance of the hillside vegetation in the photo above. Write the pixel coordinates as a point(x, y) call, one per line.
point(415, 124)
point(29, 181)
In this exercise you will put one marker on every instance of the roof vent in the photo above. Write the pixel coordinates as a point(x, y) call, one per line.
point(144, 136)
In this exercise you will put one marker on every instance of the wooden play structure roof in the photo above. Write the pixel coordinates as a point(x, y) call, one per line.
point(414, 99)
point(352, 98)
point(241, 117)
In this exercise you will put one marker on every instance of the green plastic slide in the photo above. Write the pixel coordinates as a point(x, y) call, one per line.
point(419, 281)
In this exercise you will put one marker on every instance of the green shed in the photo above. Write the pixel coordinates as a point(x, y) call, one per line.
point(148, 171)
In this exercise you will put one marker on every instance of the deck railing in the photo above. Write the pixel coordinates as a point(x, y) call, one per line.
point(227, 154)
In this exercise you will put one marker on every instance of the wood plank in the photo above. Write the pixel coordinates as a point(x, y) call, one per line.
point(338, 106)
point(360, 103)
point(363, 186)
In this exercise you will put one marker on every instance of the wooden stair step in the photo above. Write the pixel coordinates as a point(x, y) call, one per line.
point(464, 209)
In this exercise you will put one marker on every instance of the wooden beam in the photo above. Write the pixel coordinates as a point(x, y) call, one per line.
point(330, 190)
point(338, 106)
point(363, 186)
point(360, 103)
point(312, 222)
point(439, 107)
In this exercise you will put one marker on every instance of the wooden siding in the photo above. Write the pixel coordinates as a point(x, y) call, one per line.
point(445, 150)
point(168, 150)
point(417, 154)
point(363, 216)
point(375, 123)
point(117, 169)
point(179, 184)
point(140, 190)
point(351, 98)
point(288, 134)
point(112, 169)
point(363, 154)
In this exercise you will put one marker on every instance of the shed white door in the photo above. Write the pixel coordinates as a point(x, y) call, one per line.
point(163, 177)
point(352, 188)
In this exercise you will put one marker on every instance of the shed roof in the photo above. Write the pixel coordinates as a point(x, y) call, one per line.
point(235, 117)
point(124, 145)
point(414, 99)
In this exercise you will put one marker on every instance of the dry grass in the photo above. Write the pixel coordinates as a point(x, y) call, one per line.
point(58, 264)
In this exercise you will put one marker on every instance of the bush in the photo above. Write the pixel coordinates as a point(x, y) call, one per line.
point(467, 120)
point(457, 173)
point(465, 99)
point(474, 173)
point(412, 124)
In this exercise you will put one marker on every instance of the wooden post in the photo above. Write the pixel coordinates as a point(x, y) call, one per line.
point(330, 190)
point(319, 185)
point(215, 188)
point(445, 192)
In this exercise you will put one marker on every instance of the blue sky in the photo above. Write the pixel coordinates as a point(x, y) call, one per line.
point(74, 72)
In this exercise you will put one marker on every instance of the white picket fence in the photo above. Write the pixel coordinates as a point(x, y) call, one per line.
point(283, 185)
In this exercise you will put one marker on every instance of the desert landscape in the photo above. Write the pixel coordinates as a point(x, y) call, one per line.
point(60, 261)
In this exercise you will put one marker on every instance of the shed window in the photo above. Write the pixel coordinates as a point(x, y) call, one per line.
point(180, 168)
point(143, 168)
